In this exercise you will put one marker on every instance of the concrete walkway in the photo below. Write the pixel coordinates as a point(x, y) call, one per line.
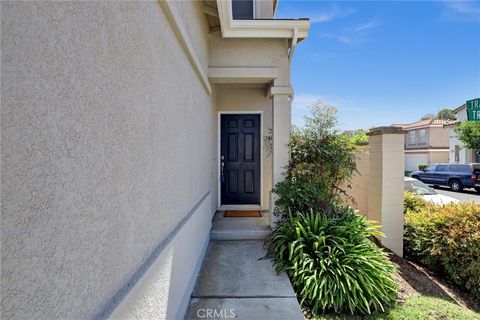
point(236, 283)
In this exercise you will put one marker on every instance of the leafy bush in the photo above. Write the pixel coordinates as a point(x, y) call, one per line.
point(447, 240)
point(422, 166)
point(332, 261)
point(412, 202)
point(407, 173)
point(360, 137)
point(321, 161)
point(469, 133)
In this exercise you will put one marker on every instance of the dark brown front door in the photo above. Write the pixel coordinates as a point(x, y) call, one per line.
point(240, 155)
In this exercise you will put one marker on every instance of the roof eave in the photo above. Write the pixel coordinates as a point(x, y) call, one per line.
point(259, 28)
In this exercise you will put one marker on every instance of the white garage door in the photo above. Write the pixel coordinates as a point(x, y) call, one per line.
point(412, 160)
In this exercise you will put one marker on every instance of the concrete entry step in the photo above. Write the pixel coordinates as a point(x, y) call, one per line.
point(235, 277)
point(243, 228)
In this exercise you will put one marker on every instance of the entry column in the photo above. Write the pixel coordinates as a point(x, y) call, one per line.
point(281, 123)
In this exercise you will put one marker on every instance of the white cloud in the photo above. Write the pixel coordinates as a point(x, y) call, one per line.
point(333, 13)
point(352, 34)
point(338, 38)
point(366, 26)
point(462, 10)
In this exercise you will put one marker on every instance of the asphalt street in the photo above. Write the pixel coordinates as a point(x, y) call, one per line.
point(466, 195)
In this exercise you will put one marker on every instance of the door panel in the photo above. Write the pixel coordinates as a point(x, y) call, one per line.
point(240, 149)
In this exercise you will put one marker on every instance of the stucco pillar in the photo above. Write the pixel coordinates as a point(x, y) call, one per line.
point(281, 124)
point(385, 194)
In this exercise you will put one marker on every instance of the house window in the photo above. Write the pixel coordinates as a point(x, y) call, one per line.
point(411, 137)
point(242, 9)
point(422, 136)
point(457, 153)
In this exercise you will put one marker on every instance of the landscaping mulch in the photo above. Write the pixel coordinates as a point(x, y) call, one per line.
point(416, 280)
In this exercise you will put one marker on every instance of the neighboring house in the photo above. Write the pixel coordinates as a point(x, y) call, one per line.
point(426, 142)
point(457, 151)
point(118, 121)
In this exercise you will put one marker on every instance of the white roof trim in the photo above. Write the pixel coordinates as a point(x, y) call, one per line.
point(258, 28)
point(426, 150)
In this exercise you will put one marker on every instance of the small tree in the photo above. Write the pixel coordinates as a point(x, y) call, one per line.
point(321, 161)
point(428, 116)
point(360, 137)
point(469, 133)
point(446, 114)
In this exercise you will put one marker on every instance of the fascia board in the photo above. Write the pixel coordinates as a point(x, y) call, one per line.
point(258, 28)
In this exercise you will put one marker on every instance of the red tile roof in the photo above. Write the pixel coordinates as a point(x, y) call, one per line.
point(424, 123)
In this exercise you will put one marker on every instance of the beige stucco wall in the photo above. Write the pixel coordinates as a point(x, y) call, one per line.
point(438, 156)
point(378, 186)
point(360, 183)
point(439, 137)
point(231, 98)
point(386, 187)
point(106, 146)
point(251, 53)
point(436, 137)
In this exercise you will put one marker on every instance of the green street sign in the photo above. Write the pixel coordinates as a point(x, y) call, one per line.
point(473, 110)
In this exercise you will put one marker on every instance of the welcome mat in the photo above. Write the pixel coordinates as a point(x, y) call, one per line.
point(241, 214)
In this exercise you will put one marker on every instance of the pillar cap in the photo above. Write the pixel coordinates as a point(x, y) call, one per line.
point(385, 130)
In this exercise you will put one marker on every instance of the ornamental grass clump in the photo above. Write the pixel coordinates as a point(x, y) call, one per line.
point(333, 262)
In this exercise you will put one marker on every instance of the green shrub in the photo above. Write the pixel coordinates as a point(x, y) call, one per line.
point(332, 261)
point(407, 173)
point(422, 166)
point(447, 240)
point(360, 137)
point(321, 162)
point(412, 202)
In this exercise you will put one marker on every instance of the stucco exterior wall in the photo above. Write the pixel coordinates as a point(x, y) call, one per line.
point(438, 157)
point(106, 146)
point(251, 53)
point(438, 137)
point(232, 98)
point(377, 188)
point(360, 182)
point(386, 187)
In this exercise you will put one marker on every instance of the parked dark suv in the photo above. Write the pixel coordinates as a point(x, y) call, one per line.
point(455, 175)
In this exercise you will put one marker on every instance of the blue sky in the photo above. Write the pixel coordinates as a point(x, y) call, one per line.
point(385, 62)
